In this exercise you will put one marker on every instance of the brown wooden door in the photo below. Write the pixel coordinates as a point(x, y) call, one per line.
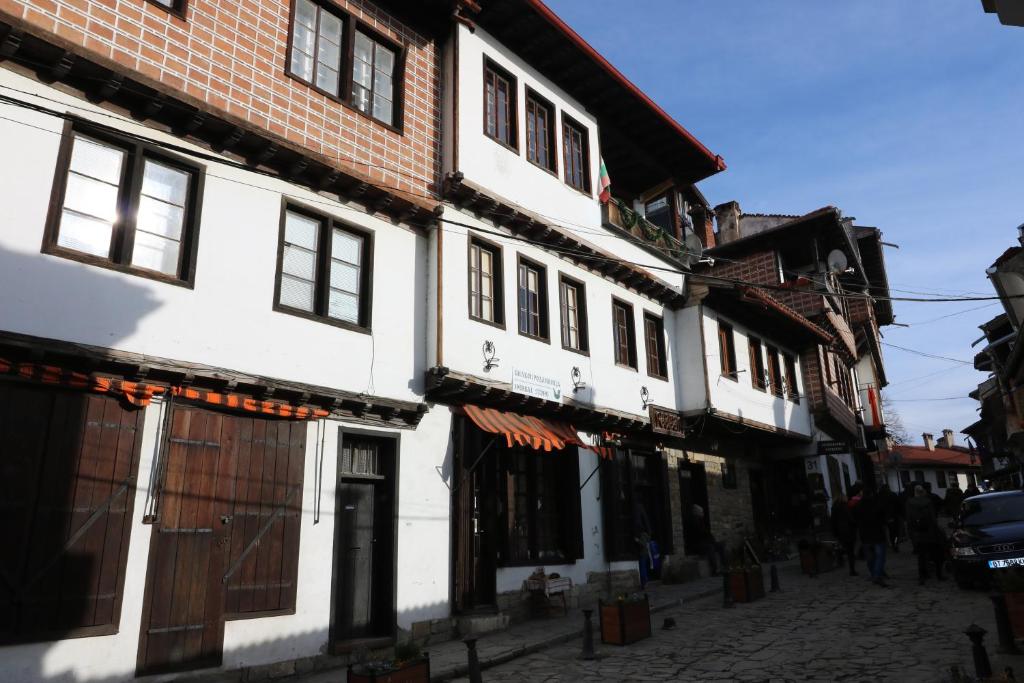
point(183, 619)
point(473, 494)
point(225, 543)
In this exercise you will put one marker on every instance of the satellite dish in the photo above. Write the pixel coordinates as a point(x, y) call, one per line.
point(837, 262)
point(694, 249)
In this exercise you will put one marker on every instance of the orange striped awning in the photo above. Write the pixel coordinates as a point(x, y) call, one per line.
point(526, 430)
point(135, 393)
point(249, 404)
point(140, 394)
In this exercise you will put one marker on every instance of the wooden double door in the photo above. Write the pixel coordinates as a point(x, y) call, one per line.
point(225, 539)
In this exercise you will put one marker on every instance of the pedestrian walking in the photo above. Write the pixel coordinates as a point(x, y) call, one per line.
point(703, 540)
point(923, 524)
point(870, 518)
point(954, 496)
point(891, 507)
point(971, 490)
point(845, 530)
point(642, 538)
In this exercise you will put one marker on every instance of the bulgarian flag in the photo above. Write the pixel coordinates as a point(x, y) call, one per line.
point(604, 184)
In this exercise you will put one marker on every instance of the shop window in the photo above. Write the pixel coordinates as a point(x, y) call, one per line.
point(634, 495)
point(324, 269)
point(727, 350)
point(125, 205)
point(539, 506)
point(486, 301)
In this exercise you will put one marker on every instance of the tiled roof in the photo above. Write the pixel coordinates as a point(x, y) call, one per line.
point(769, 301)
point(920, 455)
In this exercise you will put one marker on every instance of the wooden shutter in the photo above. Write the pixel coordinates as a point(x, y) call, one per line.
point(570, 517)
point(69, 462)
point(262, 565)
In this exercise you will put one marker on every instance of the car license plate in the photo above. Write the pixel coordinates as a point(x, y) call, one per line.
point(1009, 562)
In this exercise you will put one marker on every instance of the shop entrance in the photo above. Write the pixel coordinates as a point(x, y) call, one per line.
point(693, 490)
point(474, 516)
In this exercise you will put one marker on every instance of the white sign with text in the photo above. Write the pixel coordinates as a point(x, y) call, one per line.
point(532, 384)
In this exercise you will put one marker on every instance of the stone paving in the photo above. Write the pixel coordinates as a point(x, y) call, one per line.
point(831, 628)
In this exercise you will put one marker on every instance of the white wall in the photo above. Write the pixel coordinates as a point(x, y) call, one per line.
point(227, 319)
point(607, 385)
point(507, 173)
point(511, 578)
point(423, 564)
point(893, 479)
point(688, 342)
point(740, 398)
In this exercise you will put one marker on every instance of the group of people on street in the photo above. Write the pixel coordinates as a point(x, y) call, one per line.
point(879, 518)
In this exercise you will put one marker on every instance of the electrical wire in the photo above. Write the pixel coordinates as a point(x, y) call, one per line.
point(927, 355)
point(580, 254)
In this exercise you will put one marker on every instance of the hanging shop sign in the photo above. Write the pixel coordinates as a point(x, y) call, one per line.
point(667, 422)
point(833, 447)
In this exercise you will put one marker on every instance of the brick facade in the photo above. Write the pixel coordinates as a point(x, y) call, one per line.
point(231, 56)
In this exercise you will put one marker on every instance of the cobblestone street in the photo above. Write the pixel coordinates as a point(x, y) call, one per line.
point(832, 628)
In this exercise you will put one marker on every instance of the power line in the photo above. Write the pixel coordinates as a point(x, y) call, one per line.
point(928, 355)
point(944, 398)
point(950, 315)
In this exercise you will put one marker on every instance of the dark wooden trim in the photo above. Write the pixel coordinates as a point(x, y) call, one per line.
point(630, 335)
point(727, 356)
point(581, 313)
point(242, 616)
point(129, 187)
point(552, 136)
point(588, 186)
point(663, 346)
point(758, 374)
point(179, 8)
point(321, 284)
point(497, 277)
point(397, 77)
point(544, 314)
point(513, 83)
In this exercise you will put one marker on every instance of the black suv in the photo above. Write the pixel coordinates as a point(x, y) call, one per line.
point(989, 535)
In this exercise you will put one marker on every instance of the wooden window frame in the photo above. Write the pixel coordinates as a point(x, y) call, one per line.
point(497, 277)
point(350, 24)
point(129, 188)
point(630, 334)
point(321, 283)
point(543, 315)
point(178, 8)
point(774, 371)
point(540, 102)
point(660, 354)
point(941, 480)
point(792, 388)
point(492, 68)
point(569, 123)
point(582, 328)
point(758, 374)
point(727, 351)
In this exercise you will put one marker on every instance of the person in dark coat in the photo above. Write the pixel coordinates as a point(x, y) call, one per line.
point(845, 530)
point(923, 525)
point(870, 518)
point(954, 496)
point(891, 508)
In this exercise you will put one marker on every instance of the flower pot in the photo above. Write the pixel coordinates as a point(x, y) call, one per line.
point(414, 671)
point(738, 585)
point(755, 582)
point(625, 621)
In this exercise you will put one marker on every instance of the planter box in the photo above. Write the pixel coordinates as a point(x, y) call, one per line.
point(816, 561)
point(738, 586)
point(1015, 608)
point(755, 583)
point(416, 671)
point(624, 621)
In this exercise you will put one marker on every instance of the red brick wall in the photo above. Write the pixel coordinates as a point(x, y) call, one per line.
point(759, 267)
point(231, 54)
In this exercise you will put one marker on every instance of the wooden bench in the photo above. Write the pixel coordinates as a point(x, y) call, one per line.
point(549, 587)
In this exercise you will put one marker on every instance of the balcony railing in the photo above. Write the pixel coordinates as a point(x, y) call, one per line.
point(617, 214)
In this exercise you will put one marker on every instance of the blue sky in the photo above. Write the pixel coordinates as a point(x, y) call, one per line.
point(907, 115)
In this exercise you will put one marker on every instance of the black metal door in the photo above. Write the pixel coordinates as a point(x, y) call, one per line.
point(693, 490)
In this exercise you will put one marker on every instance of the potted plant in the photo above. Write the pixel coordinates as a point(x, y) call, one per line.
point(409, 665)
point(1010, 582)
point(625, 620)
